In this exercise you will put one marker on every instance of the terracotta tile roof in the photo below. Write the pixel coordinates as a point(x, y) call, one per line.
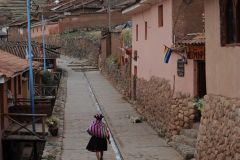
point(11, 65)
point(193, 38)
point(19, 49)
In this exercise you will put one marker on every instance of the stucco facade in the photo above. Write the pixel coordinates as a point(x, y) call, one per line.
point(222, 66)
point(218, 136)
point(150, 52)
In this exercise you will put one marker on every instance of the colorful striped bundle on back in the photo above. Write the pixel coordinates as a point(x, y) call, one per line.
point(167, 54)
point(98, 129)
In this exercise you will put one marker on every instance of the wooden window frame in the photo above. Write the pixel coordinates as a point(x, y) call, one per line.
point(137, 32)
point(225, 38)
point(146, 30)
point(160, 16)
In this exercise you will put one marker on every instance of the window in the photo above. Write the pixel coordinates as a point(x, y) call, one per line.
point(230, 21)
point(160, 16)
point(146, 30)
point(137, 32)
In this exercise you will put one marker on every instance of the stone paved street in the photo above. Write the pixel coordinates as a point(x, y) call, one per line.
point(135, 140)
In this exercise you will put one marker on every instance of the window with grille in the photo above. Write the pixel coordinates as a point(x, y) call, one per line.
point(137, 32)
point(230, 22)
point(160, 15)
point(146, 30)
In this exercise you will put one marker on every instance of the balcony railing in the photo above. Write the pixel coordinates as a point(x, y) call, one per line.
point(21, 131)
point(45, 91)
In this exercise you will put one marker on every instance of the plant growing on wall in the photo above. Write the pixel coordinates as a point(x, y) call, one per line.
point(52, 123)
point(112, 60)
point(127, 37)
point(199, 104)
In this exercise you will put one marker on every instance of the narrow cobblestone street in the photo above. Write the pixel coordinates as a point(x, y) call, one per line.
point(135, 140)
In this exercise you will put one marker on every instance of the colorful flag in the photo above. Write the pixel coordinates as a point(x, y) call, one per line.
point(167, 54)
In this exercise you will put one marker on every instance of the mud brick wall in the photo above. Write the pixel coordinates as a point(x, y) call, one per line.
point(219, 132)
point(165, 112)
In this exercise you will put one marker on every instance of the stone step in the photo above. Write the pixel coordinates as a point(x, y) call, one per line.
point(185, 140)
point(185, 150)
point(196, 126)
point(192, 133)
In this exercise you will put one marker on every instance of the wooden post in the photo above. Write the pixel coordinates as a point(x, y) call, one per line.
point(43, 125)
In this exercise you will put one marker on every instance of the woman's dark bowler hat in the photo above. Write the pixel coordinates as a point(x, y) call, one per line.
point(98, 116)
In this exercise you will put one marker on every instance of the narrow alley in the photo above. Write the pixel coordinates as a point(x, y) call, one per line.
point(161, 75)
point(134, 140)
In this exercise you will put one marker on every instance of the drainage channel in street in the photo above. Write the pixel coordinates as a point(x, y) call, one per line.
point(116, 150)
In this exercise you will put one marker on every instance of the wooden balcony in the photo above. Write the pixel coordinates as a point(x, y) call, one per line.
point(23, 131)
point(45, 91)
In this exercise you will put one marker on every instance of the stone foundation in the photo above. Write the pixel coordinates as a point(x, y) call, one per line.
point(120, 76)
point(219, 132)
point(165, 112)
point(53, 146)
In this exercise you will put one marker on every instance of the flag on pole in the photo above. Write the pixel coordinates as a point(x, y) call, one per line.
point(167, 54)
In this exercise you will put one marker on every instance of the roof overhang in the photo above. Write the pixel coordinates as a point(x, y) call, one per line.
point(139, 7)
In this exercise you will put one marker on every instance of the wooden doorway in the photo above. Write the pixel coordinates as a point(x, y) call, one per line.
point(134, 89)
point(201, 79)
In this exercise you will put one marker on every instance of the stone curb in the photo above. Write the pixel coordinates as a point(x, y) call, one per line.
point(53, 146)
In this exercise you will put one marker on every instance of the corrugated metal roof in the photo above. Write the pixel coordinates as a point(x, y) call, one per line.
point(11, 65)
point(193, 38)
point(19, 49)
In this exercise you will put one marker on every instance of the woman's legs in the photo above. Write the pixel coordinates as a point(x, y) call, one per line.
point(101, 157)
point(98, 155)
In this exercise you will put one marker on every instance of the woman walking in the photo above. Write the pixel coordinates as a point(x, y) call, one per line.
point(100, 136)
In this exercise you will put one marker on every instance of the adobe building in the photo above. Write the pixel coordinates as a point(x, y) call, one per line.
point(51, 28)
point(13, 85)
point(164, 92)
point(219, 132)
point(18, 48)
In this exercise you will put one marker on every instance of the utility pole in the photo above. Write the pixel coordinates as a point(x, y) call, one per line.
point(30, 56)
point(109, 15)
point(31, 85)
point(43, 45)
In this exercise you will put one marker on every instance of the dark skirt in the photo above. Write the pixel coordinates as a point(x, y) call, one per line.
point(97, 144)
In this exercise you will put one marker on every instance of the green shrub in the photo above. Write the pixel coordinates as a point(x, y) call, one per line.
point(199, 104)
point(48, 79)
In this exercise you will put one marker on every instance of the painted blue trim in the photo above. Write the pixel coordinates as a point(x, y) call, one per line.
point(30, 63)
point(43, 43)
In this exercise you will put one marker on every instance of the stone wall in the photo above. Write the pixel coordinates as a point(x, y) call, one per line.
point(219, 132)
point(53, 146)
point(74, 47)
point(166, 112)
point(120, 76)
